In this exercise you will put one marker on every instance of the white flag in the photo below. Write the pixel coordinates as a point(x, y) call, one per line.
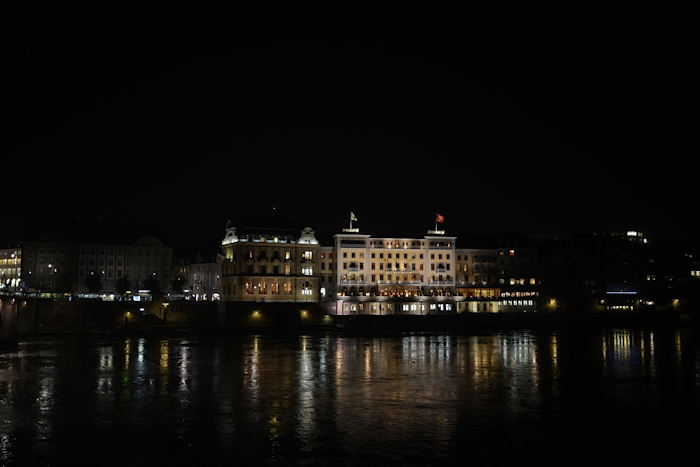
point(352, 216)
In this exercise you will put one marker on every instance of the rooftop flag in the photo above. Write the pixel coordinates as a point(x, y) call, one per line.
point(352, 216)
point(439, 218)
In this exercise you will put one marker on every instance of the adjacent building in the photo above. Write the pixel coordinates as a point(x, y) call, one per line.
point(95, 259)
point(10, 269)
point(626, 271)
point(198, 279)
point(266, 263)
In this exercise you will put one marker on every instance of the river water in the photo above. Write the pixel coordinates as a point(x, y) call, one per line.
point(610, 397)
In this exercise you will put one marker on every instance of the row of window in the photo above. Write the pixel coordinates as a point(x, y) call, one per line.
point(478, 258)
point(399, 278)
point(517, 302)
point(262, 254)
point(110, 274)
point(353, 255)
point(120, 251)
point(389, 307)
point(521, 281)
point(110, 262)
point(396, 267)
point(306, 270)
point(273, 288)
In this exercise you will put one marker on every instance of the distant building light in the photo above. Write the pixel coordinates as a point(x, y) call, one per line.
point(621, 293)
point(633, 233)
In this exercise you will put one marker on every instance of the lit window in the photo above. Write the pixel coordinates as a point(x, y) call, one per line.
point(306, 288)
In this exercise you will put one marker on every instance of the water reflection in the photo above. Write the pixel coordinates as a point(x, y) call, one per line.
point(163, 366)
point(307, 399)
point(628, 353)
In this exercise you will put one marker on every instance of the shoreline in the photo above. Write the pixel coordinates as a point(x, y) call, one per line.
point(368, 325)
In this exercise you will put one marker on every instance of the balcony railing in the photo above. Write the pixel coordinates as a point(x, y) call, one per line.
point(392, 282)
point(450, 283)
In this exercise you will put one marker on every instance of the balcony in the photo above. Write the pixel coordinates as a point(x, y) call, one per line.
point(415, 283)
point(349, 282)
point(450, 283)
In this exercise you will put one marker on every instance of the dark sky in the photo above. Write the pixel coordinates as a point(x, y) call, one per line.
point(500, 116)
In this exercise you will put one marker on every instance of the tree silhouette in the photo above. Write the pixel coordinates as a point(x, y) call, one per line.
point(123, 284)
point(177, 284)
point(93, 281)
point(153, 285)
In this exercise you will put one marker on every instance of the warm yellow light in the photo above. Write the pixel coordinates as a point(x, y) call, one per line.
point(304, 314)
point(256, 314)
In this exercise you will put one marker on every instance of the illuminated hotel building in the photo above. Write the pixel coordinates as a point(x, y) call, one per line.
point(410, 275)
point(270, 264)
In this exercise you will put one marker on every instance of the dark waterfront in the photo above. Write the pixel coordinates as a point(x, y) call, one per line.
point(607, 397)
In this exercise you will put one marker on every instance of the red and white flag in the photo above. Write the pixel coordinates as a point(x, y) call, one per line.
point(439, 218)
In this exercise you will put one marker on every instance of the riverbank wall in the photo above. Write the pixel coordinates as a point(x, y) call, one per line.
point(23, 318)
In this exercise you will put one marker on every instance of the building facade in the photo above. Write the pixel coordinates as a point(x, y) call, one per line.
point(392, 275)
point(10, 269)
point(201, 280)
point(420, 275)
point(59, 267)
point(269, 264)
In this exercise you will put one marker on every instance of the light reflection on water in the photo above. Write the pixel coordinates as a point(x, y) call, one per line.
point(374, 400)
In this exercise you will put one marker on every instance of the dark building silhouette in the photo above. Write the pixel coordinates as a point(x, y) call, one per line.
point(89, 257)
point(626, 272)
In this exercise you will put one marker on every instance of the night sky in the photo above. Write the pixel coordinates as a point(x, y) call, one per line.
point(502, 117)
